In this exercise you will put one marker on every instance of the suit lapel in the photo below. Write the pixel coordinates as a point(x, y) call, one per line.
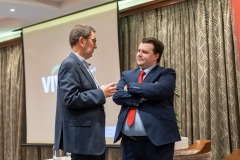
point(150, 74)
point(84, 70)
point(135, 78)
point(87, 74)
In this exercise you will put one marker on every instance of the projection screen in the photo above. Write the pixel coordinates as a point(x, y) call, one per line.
point(45, 46)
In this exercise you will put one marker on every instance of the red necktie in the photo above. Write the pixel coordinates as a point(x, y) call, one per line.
point(132, 110)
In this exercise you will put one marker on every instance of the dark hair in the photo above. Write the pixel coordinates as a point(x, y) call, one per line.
point(80, 30)
point(158, 46)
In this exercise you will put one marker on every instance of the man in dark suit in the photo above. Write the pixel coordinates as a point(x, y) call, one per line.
point(147, 121)
point(80, 116)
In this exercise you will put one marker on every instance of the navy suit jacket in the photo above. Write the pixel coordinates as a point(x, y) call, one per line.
point(157, 112)
point(80, 117)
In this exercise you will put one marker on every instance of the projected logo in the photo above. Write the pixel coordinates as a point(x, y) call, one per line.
point(50, 83)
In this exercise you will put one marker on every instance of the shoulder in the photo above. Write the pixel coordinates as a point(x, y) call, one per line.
point(130, 72)
point(70, 62)
point(165, 70)
point(72, 58)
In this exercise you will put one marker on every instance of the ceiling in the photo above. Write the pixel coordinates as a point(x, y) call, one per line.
point(29, 12)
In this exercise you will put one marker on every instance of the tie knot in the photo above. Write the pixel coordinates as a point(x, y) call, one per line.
point(142, 73)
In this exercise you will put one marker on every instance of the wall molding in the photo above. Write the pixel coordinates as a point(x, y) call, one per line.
point(11, 42)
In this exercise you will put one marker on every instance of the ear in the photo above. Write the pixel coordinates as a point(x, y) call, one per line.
point(82, 41)
point(157, 56)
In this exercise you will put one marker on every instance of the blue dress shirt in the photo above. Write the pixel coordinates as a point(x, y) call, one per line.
point(137, 128)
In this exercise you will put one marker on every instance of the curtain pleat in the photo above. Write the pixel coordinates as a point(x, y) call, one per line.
point(11, 86)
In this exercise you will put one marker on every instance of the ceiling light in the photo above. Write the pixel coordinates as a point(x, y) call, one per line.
point(12, 10)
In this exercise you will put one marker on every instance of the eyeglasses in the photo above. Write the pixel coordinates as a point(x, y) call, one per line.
point(94, 40)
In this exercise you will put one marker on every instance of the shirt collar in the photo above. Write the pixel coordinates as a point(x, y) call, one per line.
point(85, 63)
point(147, 70)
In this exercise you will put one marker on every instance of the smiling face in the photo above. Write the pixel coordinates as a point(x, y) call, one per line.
point(145, 56)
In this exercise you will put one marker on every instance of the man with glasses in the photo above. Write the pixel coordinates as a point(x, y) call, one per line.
point(80, 117)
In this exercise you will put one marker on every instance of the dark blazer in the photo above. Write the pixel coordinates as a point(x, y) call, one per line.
point(80, 117)
point(157, 113)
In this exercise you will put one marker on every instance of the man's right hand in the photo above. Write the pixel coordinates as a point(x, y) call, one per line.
point(109, 89)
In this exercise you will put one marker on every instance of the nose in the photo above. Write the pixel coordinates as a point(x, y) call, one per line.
point(139, 53)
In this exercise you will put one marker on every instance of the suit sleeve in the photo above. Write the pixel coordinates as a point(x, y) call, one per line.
point(124, 98)
point(76, 91)
point(161, 88)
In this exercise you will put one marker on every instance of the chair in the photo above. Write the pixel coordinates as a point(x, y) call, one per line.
point(199, 150)
point(235, 155)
